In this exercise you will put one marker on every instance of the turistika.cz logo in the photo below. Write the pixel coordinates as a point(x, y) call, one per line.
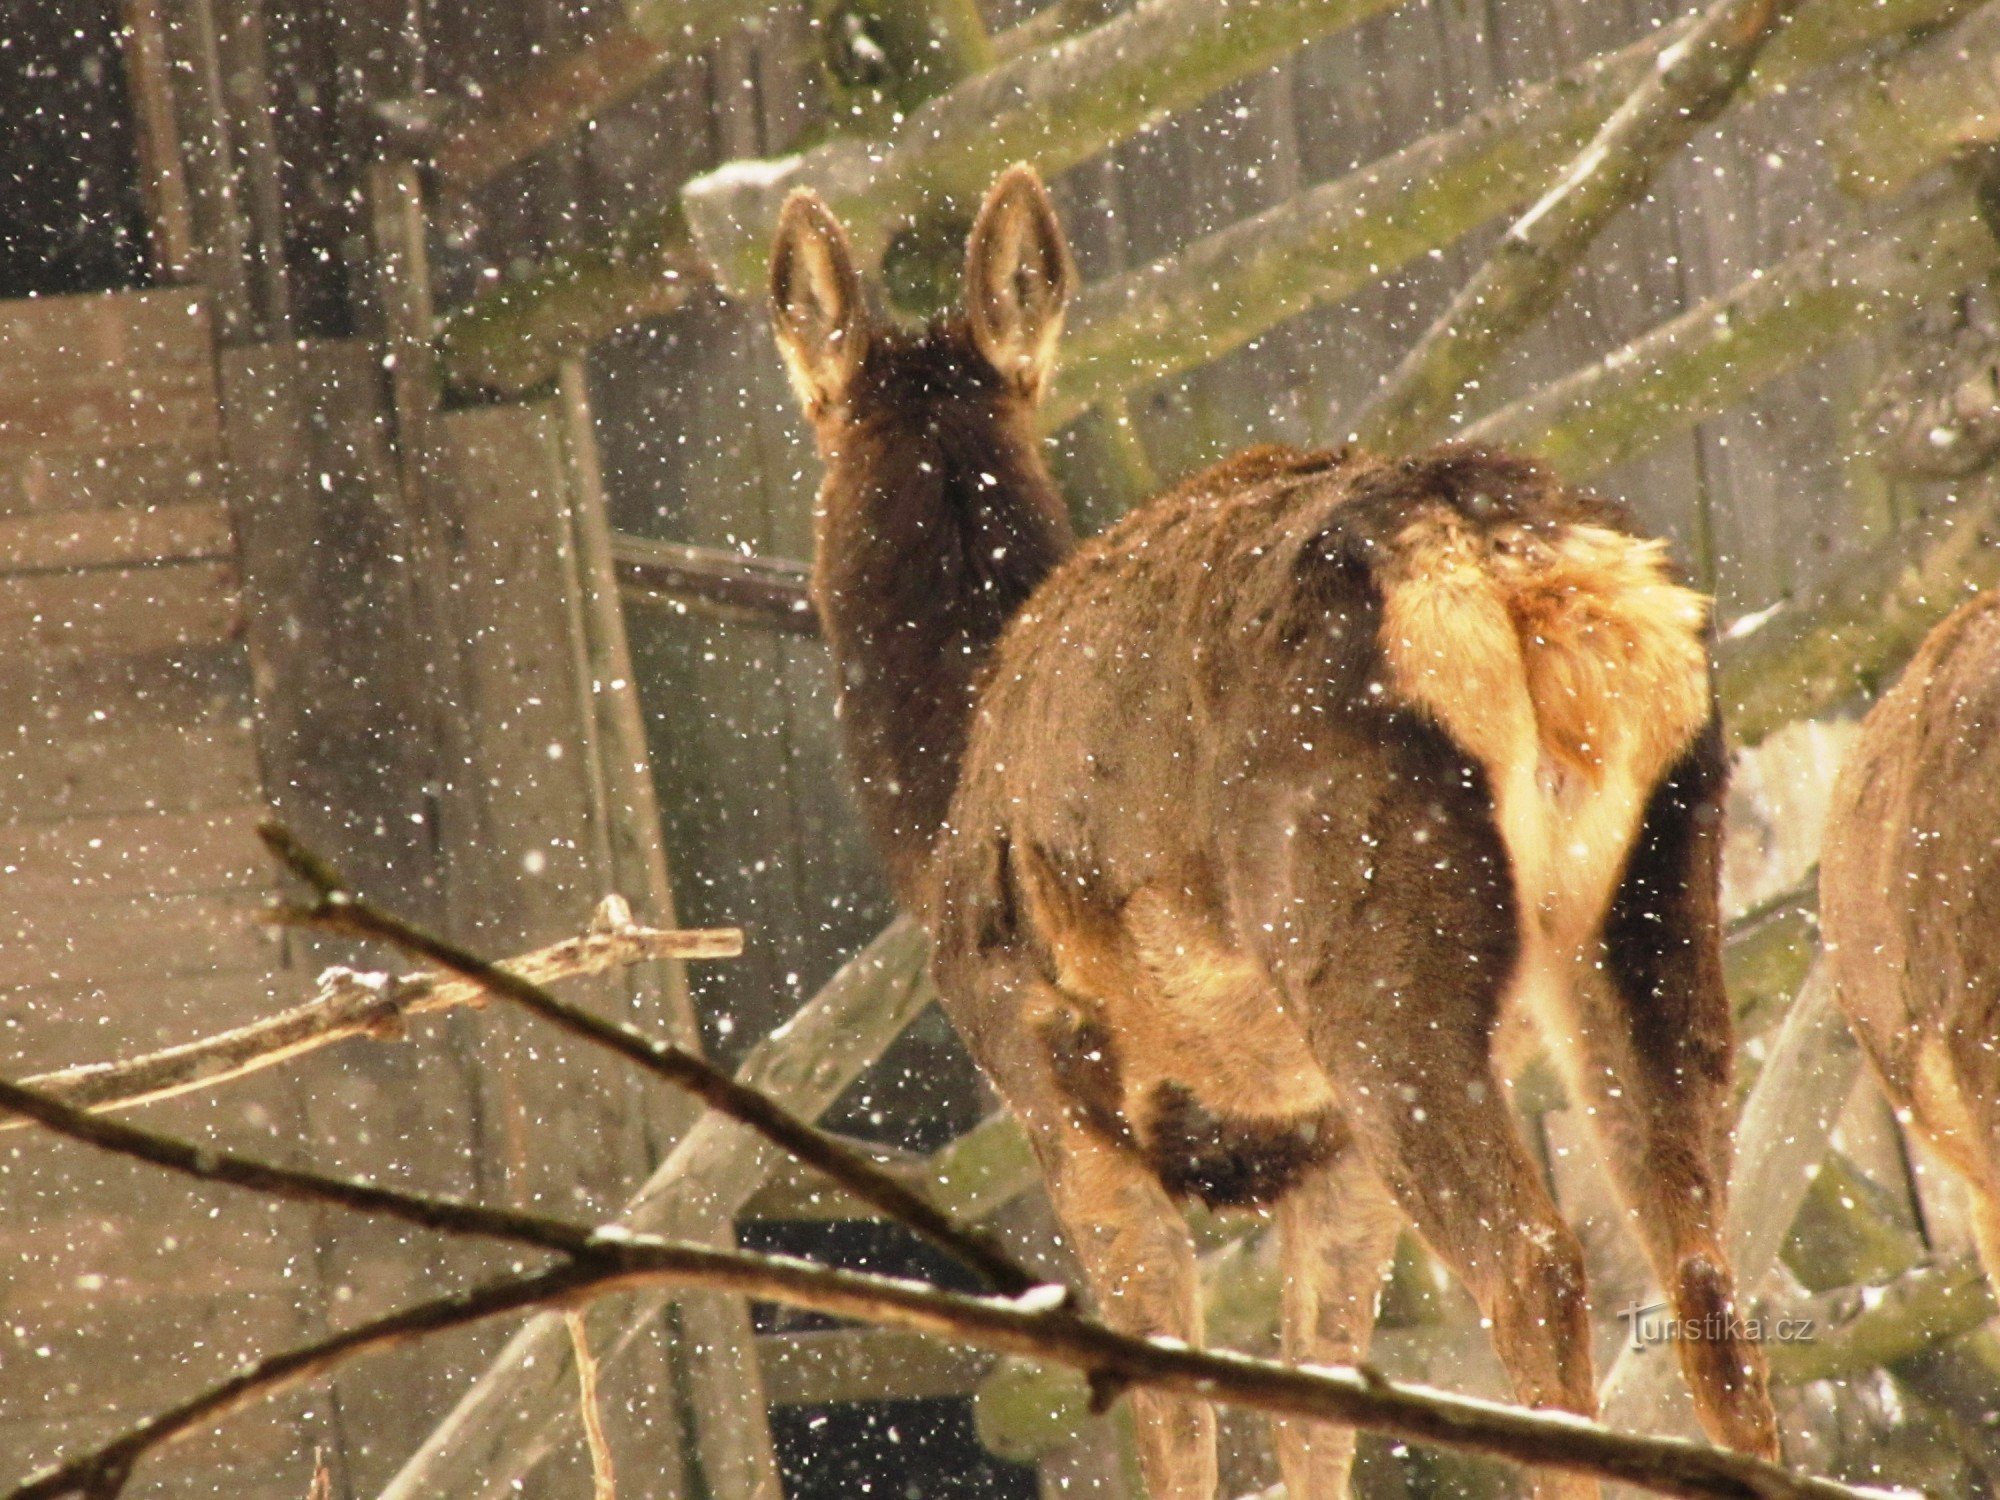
point(1656, 1324)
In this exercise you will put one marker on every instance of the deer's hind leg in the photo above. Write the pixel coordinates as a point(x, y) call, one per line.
point(1646, 1046)
point(1139, 1257)
point(1385, 910)
point(1057, 1071)
point(1337, 1229)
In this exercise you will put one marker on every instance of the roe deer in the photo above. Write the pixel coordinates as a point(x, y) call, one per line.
point(1270, 804)
point(1909, 895)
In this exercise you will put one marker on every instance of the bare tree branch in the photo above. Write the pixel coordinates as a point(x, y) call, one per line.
point(1173, 314)
point(1845, 639)
point(1055, 106)
point(1711, 356)
point(350, 1004)
point(103, 1472)
point(602, 1261)
point(1221, 291)
point(1694, 78)
point(338, 909)
point(603, 1472)
point(521, 1405)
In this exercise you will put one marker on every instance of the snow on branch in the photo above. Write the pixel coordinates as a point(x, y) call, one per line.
point(1042, 1323)
point(348, 1003)
point(1694, 78)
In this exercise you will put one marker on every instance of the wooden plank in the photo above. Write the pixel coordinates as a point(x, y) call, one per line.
point(44, 1027)
point(149, 82)
point(548, 795)
point(115, 538)
point(137, 1286)
point(48, 868)
point(64, 953)
point(500, 479)
point(626, 801)
point(78, 697)
point(709, 581)
point(111, 407)
point(345, 706)
point(96, 736)
point(265, 1453)
point(79, 338)
point(166, 1264)
point(125, 611)
point(719, 726)
point(153, 768)
point(221, 228)
point(137, 1355)
point(184, 471)
point(347, 722)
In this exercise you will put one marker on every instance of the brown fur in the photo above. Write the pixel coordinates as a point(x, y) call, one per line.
point(936, 519)
point(1910, 900)
point(1278, 798)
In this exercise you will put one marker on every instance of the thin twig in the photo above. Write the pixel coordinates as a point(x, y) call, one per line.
point(603, 1474)
point(338, 909)
point(1694, 78)
point(295, 1184)
point(604, 1261)
point(350, 1004)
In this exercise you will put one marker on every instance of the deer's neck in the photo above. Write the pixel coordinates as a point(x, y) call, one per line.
point(929, 541)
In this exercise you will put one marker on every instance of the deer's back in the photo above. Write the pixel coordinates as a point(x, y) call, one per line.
point(1313, 648)
point(1291, 610)
point(1910, 874)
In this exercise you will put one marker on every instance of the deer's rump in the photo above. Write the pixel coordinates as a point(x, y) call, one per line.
point(1449, 684)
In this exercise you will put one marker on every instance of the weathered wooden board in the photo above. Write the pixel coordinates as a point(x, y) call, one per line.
point(339, 668)
point(47, 866)
point(97, 737)
point(171, 768)
point(114, 944)
point(550, 832)
point(120, 611)
point(258, 1457)
point(46, 1026)
point(346, 734)
point(532, 874)
point(110, 408)
point(176, 472)
point(136, 1287)
point(50, 340)
point(106, 371)
point(114, 538)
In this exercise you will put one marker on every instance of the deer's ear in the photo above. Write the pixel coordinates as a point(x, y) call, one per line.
point(817, 306)
point(1018, 280)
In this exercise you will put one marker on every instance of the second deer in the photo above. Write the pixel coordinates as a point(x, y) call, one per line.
point(1910, 901)
point(1242, 829)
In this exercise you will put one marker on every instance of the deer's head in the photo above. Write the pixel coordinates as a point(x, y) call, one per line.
point(853, 370)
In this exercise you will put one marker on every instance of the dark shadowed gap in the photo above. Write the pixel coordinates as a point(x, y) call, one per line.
point(896, 1450)
point(71, 215)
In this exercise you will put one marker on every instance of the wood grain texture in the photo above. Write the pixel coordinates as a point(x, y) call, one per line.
point(103, 539)
point(345, 698)
point(122, 611)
